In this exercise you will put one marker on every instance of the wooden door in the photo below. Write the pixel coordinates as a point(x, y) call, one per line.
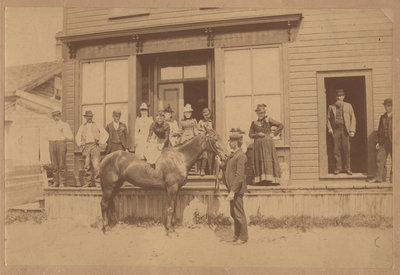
point(171, 94)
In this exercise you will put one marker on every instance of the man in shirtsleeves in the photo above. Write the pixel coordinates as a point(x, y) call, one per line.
point(90, 135)
point(118, 134)
point(234, 178)
point(342, 126)
point(58, 133)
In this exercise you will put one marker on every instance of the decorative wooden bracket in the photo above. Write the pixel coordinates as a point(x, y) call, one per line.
point(289, 31)
point(210, 37)
point(139, 43)
point(71, 50)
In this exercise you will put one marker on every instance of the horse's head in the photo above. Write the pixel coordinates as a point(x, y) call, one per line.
point(215, 144)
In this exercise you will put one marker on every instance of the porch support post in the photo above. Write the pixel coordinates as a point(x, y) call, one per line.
point(219, 92)
point(134, 96)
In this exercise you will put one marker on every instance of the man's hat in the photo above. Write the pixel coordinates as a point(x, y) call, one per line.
point(260, 108)
point(56, 112)
point(206, 111)
point(168, 109)
point(340, 92)
point(187, 108)
point(388, 102)
point(144, 106)
point(236, 134)
point(88, 113)
point(116, 112)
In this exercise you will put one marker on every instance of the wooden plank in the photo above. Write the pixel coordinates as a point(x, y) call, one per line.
point(335, 60)
point(345, 53)
point(345, 22)
point(302, 81)
point(346, 28)
point(302, 106)
point(299, 157)
point(312, 112)
point(302, 75)
point(321, 18)
point(308, 99)
point(303, 125)
point(304, 144)
point(302, 151)
point(300, 176)
point(343, 47)
point(303, 94)
point(341, 66)
point(297, 138)
point(342, 41)
point(304, 163)
point(308, 131)
point(302, 87)
point(313, 118)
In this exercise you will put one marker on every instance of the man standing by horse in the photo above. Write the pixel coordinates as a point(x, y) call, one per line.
point(89, 137)
point(234, 178)
point(118, 134)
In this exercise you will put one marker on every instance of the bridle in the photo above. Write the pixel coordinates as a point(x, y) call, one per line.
point(212, 146)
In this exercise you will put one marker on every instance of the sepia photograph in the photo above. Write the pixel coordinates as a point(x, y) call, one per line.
point(219, 137)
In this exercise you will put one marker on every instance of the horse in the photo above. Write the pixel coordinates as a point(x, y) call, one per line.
point(170, 173)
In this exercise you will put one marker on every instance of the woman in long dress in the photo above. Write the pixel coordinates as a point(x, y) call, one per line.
point(206, 158)
point(173, 126)
point(157, 139)
point(142, 126)
point(188, 124)
point(265, 159)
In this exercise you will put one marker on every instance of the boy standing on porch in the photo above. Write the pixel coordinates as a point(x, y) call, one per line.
point(90, 135)
point(118, 134)
point(384, 143)
point(342, 125)
point(58, 133)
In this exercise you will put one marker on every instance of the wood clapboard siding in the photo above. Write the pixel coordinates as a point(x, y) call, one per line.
point(338, 40)
point(68, 106)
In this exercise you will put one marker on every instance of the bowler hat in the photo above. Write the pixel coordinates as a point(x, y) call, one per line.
point(56, 113)
point(388, 102)
point(88, 113)
point(116, 112)
point(236, 134)
point(260, 108)
point(168, 109)
point(144, 106)
point(340, 92)
point(187, 108)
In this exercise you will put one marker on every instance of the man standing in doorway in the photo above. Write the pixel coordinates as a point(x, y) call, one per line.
point(234, 178)
point(342, 125)
point(58, 134)
point(90, 135)
point(384, 143)
point(118, 134)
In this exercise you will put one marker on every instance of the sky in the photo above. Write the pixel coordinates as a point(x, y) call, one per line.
point(30, 35)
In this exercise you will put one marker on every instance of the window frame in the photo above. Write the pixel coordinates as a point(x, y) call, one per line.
point(104, 103)
point(284, 140)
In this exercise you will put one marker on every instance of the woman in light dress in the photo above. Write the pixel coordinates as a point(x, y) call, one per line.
point(188, 124)
point(206, 158)
point(142, 126)
point(173, 126)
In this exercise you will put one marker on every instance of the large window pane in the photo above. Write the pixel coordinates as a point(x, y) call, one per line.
point(93, 82)
point(98, 113)
point(168, 73)
point(238, 112)
point(273, 103)
point(237, 72)
point(195, 71)
point(124, 112)
point(116, 80)
point(266, 70)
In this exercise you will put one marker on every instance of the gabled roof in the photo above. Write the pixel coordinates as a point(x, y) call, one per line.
point(29, 76)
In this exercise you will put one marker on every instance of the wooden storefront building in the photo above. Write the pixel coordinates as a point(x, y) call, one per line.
point(230, 60)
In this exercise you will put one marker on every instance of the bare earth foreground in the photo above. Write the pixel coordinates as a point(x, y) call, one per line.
point(62, 243)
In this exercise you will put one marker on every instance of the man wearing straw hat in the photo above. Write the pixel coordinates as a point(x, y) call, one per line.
point(90, 135)
point(58, 134)
point(342, 126)
point(234, 178)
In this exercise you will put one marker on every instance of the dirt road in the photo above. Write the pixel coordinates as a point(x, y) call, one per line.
point(62, 243)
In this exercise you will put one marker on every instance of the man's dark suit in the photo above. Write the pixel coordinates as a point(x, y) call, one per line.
point(384, 139)
point(235, 179)
point(118, 139)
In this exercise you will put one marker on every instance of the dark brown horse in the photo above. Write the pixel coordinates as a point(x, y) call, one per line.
point(170, 173)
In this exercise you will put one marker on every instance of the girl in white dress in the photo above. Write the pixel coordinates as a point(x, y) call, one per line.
point(142, 127)
point(173, 126)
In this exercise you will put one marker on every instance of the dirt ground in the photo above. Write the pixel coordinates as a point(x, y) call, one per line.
point(62, 243)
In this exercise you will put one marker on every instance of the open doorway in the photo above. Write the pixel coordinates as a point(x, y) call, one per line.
point(196, 94)
point(355, 89)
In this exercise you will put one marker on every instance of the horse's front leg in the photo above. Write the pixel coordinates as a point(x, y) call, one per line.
point(172, 192)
